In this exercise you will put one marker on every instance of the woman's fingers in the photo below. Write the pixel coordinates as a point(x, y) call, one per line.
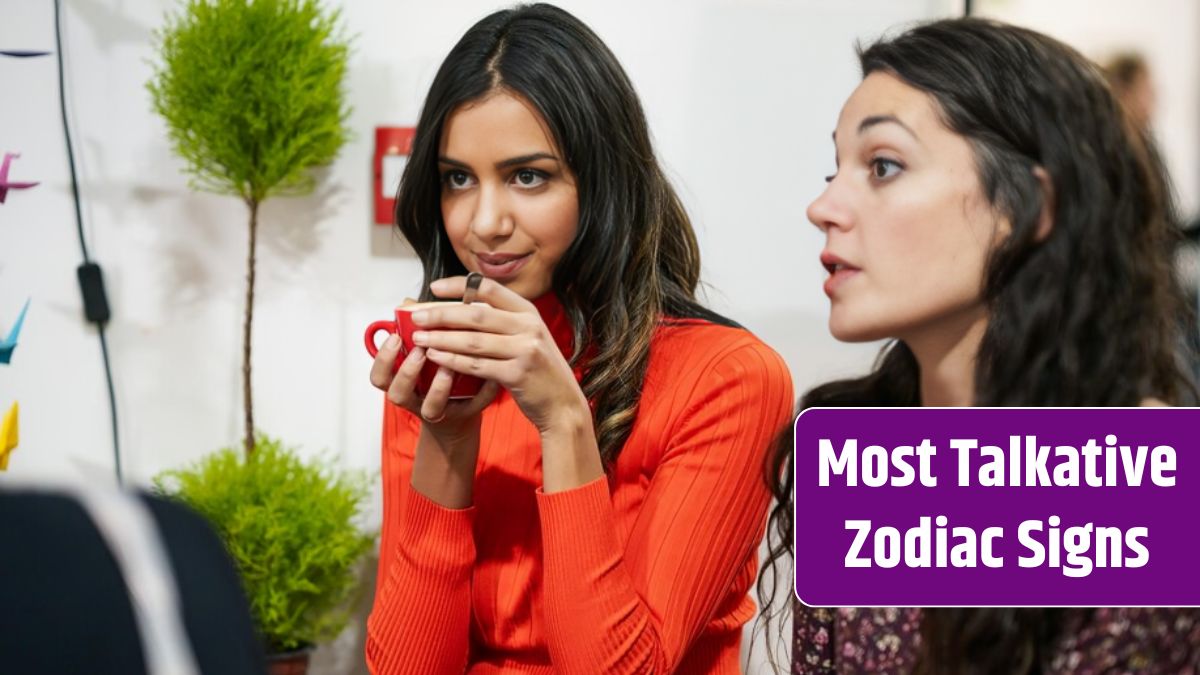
point(475, 317)
point(433, 408)
point(478, 366)
point(471, 343)
point(385, 361)
point(383, 368)
point(402, 390)
point(486, 395)
point(490, 292)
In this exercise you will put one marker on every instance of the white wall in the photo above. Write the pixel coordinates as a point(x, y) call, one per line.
point(741, 96)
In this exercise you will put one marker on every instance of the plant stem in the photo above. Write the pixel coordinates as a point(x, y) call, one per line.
point(248, 401)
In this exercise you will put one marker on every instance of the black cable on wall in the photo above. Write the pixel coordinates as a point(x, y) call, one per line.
point(91, 281)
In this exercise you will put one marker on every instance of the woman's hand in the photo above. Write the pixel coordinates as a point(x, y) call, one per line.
point(450, 422)
point(503, 341)
point(448, 447)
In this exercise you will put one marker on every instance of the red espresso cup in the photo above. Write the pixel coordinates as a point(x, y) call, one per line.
point(464, 386)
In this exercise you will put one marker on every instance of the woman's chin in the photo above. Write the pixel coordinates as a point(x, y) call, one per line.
point(850, 331)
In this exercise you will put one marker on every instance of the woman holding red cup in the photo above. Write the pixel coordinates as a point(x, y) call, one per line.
point(597, 505)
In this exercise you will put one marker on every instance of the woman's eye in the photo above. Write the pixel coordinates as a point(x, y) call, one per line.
point(882, 169)
point(456, 180)
point(529, 178)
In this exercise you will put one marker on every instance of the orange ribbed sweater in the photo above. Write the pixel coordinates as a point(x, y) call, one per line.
point(647, 571)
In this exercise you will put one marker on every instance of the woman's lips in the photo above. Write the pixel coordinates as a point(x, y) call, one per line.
point(501, 267)
point(839, 277)
point(839, 271)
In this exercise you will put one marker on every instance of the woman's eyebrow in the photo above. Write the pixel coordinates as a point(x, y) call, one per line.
point(875, 120)
point(512, 161)
point(525, 159)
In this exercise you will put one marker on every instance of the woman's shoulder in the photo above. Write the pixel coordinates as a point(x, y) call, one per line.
point(692, 348)
point(706, 381)
point(691, 338)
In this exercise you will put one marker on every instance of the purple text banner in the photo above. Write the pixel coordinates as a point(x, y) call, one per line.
point(997, 507)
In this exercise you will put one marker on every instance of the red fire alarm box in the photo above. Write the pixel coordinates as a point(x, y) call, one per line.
point(392, 147)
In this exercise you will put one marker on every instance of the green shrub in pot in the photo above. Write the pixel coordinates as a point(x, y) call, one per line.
point(293, 529)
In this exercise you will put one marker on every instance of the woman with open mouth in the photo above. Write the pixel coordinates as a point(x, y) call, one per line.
point(997, 217)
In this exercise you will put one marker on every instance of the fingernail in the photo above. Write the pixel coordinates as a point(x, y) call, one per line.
point(417, 354)
point(420, 337)
point(420, 317)
point(437, 285)
point(392, 342)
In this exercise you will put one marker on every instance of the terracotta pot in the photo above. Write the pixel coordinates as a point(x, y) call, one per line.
point(289, 663)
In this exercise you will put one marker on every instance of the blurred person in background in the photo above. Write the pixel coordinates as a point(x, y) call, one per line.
point(1132, 84)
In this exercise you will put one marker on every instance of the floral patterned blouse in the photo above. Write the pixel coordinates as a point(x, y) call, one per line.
point(1147, 641)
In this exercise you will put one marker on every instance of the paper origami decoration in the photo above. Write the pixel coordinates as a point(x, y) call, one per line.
point(5, 185)
point(8, 436)
point(8, 344)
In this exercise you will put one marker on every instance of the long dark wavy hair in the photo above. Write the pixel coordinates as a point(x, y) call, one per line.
point(1089, 314)
point(635, 260)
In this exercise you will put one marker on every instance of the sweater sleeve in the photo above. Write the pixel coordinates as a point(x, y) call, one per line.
point(637, 607)
point(420, 620)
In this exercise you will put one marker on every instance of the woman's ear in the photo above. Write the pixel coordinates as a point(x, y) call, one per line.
point(1045, 221)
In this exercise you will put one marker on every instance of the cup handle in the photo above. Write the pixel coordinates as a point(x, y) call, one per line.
point(373, 330)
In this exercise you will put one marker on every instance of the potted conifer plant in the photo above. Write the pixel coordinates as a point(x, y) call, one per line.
point(253, 99)
point(293, 530)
